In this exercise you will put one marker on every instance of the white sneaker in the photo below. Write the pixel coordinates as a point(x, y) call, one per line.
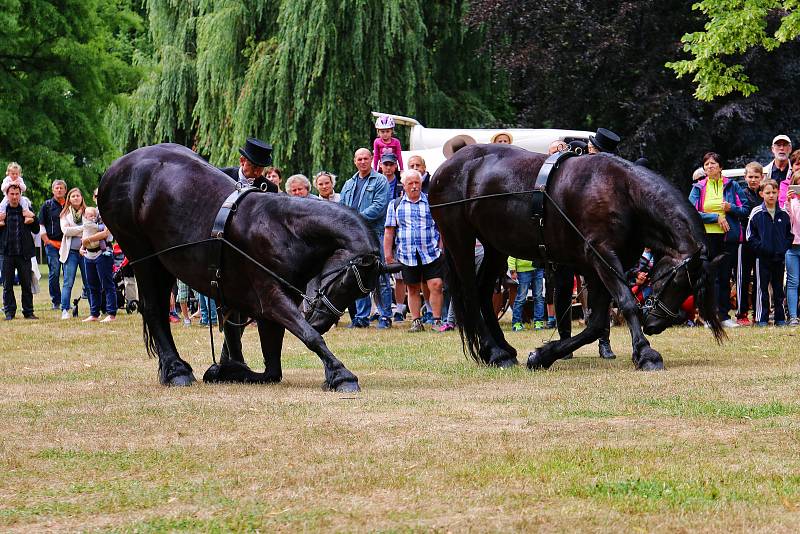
point(730, 323)
point(65, 315)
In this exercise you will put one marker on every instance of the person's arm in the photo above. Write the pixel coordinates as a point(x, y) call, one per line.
point(70, 230)
point(102, 234)
point(33, 226)
point(399, 150)
point(388, 243)
point(512, 267)
point(753, 235)
point(376, 154)
point(741, 212)
point(377, 209)
point(708, 218)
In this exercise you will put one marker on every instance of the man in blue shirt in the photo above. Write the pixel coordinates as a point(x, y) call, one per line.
point(366, 193)
point(418, 247)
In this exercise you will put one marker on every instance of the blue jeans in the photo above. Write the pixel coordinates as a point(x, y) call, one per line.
point(100, 277)
point(70, 269)
point(792, 279)
point(206, 305)
point(53, 277)
point(526, 279)
point(364, 305)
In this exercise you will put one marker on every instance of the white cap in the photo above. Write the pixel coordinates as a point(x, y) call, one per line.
point(781, 137)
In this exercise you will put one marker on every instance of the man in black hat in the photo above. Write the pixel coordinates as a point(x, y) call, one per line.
point(16, 246)
point(603, 141)
point(256, 155)
point(563, 275)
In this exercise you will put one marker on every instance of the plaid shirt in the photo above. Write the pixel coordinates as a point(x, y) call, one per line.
point(416, 230)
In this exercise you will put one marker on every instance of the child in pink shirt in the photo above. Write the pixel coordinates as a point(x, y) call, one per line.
point(385, 143)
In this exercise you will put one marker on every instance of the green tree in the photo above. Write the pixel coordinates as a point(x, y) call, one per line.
point(733, 28)
point(304, 75)
point(61, 62)
point(587, 64)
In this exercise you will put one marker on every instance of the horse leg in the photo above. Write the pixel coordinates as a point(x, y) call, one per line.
point(545, 356)
point(494, 349)
point(155, 285)
point(232, 367)
point(232, 346)
point(271, 334)
point(644, 356)
point(287, 315)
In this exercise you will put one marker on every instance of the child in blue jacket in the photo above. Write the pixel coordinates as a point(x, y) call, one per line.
point(769, 234)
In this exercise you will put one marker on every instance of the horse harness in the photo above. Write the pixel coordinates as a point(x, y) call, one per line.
point(548, 170)
point(222, 220)
point(217, 240)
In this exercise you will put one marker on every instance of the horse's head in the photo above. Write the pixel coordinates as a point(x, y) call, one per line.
point(681, 283)
point(338, 286)
point(672, 284)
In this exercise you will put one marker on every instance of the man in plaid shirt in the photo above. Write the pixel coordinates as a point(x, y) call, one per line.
point(419, 247)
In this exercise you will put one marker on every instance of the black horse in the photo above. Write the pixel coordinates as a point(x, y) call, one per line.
point(164, 196)
point(617, 207)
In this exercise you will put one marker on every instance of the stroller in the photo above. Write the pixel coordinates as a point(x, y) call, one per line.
point(125, 282)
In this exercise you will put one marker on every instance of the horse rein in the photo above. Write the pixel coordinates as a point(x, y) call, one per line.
point(229, 207)
point(651, 303)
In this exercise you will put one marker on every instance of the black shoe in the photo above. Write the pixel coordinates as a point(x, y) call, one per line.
point(9, 317)
point(604, 348)
point(32, 316)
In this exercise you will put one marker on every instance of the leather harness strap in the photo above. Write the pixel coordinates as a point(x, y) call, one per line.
point(226, 211)
point(548, 169)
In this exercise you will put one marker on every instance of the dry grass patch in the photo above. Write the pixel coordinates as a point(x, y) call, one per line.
point(90, 441)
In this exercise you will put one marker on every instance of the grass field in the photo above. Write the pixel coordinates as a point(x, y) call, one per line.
point(89, 441)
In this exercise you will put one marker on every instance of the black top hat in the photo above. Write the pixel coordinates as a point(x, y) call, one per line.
point(605, 140)
point(257, 151)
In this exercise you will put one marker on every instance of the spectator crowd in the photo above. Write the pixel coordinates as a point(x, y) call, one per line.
point(752, 228)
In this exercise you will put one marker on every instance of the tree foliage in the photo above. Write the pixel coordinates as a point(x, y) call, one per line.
point(61, 62)
point(304, 75)
point(733, 28)
point(601, 63)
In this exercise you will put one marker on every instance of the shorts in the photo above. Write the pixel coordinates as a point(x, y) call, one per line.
point(183, 292)
point(417, 273)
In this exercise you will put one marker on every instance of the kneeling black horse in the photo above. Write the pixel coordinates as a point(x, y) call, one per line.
point(158, 199)
point(600, 211)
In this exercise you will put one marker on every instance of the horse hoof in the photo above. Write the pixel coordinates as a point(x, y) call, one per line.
point(534, 361)
point(348, 387)
point(652, 366)
point(182, 380)
point(506, 363)
point(342, 387)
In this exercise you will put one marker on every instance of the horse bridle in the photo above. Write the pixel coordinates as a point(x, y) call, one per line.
point(338, 272)
point(653, 304)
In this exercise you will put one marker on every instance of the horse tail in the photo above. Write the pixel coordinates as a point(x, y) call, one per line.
point(462, 298)
point(149, 340)
point(706, 301)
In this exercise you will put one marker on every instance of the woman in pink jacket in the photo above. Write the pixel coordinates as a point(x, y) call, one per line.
point(792, 207)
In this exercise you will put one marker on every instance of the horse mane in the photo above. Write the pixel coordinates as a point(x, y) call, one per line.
point(658, 196)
